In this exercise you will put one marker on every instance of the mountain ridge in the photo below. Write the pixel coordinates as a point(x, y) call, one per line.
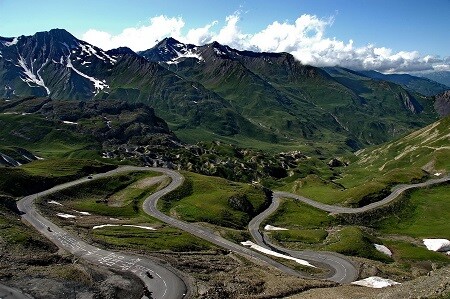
point(216, 92)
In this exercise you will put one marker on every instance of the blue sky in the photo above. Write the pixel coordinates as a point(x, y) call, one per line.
point(420, 28)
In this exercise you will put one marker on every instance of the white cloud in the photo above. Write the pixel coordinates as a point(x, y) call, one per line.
point(305, 38)
point(140, 38)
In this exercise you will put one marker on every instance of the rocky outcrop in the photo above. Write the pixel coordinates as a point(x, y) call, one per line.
point(442, 104)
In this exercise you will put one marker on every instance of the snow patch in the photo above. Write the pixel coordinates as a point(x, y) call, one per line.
point(270, 227)
point(69, 122)
point(140, 226)
point(82, 213)
point(104, 225)
point(273, 253)
point(383, 249)
point(11, 43)
point(218, 52)
point(30, 76)
point(128, 225)
point(97, 83)
point(89, 50)
point(437, 244)
point(184, 53)
point(10, 160)
point(67, 216)
point(375, 282)
point(53, 202)
point(437, 173)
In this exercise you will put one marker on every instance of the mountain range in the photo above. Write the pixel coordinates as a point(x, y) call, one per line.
point(214, 92)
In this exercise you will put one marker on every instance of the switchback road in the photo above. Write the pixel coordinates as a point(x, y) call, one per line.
point(343, 270)
point(164, 284)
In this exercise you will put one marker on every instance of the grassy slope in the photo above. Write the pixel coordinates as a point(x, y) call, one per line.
point(411, 158)
point(209, 202)
point(97, 197)
point(309, 228)
point(425, 215)
point(44, 174)
point(45, 138)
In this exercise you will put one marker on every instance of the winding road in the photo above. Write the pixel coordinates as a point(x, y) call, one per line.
point(165, 283)
point(343, 270)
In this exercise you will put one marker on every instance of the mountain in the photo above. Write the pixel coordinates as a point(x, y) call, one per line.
point(58, 65)
point(214, 92)
point(421, 85)
point(295, 101)
point(442, 77)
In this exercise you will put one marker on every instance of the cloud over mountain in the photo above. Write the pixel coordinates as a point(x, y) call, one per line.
point(305, 38)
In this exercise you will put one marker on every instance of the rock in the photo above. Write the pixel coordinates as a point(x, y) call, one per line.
point(335, 162)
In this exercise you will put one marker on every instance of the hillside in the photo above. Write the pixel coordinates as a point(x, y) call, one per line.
point(298, 102)
point(427, 149)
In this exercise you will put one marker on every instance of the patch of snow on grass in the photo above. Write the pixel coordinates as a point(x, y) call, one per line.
point(67, 216)
point(140, 226)
point(83, 213)
point(69, 122)
point(383, 249)
point(273, 253)
point(375, 282)
point(104, 225)
point(437, 173)
point(53, 202)
point(128, 225)
point(437, 244)
point(270, 227)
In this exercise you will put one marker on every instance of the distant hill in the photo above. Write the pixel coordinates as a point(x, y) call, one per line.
point(421, 85)
point(442, 77)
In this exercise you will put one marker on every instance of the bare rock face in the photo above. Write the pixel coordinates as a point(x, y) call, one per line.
point(410, 103)
point(442, 104)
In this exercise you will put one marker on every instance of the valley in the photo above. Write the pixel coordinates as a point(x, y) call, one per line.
point(188, 171)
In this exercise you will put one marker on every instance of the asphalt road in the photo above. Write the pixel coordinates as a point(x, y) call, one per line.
point(396, 191)
point(177, 179)
point(342, 269)
point(164, 284)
